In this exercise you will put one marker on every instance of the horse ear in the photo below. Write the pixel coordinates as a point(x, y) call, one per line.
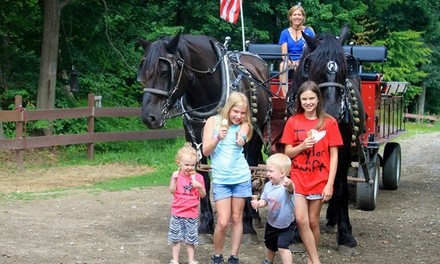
point(312, 43)
point(144, 43)
point(171, 46)
point(345, 32)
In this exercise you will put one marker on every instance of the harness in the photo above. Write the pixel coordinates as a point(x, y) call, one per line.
point(232, 72)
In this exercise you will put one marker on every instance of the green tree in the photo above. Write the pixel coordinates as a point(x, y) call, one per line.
point(406, 54)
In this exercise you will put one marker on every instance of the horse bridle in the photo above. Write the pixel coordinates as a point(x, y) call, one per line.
point(175, 62)
point(331, 69)
point(171, 63)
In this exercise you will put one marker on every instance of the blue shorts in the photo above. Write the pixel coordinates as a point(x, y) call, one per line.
point(239, 190)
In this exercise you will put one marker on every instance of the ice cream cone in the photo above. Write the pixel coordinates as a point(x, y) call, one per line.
point(225, 123)
point(254, 197)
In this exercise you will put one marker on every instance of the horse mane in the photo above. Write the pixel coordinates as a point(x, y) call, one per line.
point(152, 54)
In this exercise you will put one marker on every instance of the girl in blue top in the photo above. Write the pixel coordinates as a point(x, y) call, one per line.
point(224, 136)
point(292, 42)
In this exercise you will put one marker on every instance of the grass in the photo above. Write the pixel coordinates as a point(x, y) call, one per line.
point(157, 154)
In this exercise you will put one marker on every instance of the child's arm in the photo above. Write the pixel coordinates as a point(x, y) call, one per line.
point(288, 184)
point(243, 133)
point(260, 203)
point(209, 141)
point(200, 187)
point(173, 182)
point(328, 189)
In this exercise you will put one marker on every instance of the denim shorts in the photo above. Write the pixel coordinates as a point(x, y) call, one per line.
point(240, 190)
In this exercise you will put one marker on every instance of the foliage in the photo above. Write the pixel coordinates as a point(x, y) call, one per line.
point(99, 40)
point(406, 54)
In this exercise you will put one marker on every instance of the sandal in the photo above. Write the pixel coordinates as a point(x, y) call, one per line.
point(173, 262)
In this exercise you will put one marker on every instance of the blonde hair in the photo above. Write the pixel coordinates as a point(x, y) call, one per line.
point(280, 161)
point(293, 9)
point(186, 151)
point(237, 99)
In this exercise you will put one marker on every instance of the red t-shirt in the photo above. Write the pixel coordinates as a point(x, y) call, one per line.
point(186, 198)
point(310, 168)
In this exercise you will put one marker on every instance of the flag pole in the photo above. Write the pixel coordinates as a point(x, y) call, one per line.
point(242, 25)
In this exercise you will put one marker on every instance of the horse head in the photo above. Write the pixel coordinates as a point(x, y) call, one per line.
point(184, 68)
point(160, 72)
point(323, 62)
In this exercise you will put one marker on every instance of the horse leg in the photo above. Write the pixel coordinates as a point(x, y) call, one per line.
point(332, 212)
point(249, 233)
point(206, 223)
point(344, 235)
point(253, 153)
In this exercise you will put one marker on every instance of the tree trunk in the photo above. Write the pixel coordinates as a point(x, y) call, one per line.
point(421, 103)
point(49, 55)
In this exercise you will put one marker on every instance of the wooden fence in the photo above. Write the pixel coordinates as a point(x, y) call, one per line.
point(430, 118)
point(21, 142)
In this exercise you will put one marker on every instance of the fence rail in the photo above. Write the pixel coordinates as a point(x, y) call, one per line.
point(431, 118)
point(21, 142)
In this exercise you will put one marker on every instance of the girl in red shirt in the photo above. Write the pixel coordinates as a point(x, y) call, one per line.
point(311, 139)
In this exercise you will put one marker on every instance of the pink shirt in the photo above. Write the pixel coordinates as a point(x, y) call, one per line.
point(186, 198)
point(310, 168)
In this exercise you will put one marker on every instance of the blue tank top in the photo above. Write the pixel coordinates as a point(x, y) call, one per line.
point(228, 163)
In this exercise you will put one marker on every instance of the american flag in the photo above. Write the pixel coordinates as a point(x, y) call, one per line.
point(229, 10)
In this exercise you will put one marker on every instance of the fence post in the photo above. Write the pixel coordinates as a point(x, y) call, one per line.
point(91, 125)
point(19, 153)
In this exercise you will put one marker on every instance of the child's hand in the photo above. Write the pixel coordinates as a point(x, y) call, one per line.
point(309, 142)
point(254, 204)
point(327, 193)
point(288, 184)
point(223, 131)
point(175, 175)
point(240, 139)
point(195, 183)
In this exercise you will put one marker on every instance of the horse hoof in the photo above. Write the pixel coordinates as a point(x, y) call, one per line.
point(257, 223)
point(329, 229)
point(249, 239)
point(297, 248)
point(205, 239)
point(346, 250)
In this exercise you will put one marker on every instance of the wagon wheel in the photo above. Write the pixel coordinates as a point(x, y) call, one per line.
point(392, 169)
point(366, 192)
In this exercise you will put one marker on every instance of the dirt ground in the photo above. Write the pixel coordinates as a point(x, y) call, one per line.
point(131, 226)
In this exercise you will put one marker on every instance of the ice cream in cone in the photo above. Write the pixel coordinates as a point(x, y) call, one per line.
point(254, 197)
point(192, 174)
point(225, 123)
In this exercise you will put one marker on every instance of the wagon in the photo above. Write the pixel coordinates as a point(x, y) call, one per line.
point(384, 106)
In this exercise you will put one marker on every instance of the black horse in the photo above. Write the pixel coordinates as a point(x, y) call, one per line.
point(325, 63)
point(197, 73)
